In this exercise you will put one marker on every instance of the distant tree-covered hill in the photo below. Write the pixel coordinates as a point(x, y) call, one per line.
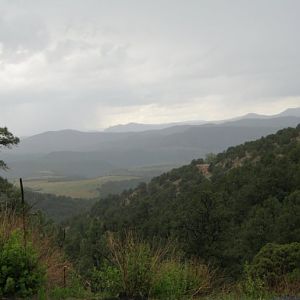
point(91, 154)
point(223, 209)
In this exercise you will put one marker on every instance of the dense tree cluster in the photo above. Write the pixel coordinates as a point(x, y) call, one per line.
point(249, 197)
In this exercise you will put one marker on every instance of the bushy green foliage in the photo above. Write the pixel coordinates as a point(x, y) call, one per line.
point(181, 280)
point(253, 286)
point(106, 279)
point(59, 293)
point(170, 282)
point(75, 290)
point(131, 271)
point(20, 272)
point(275, 265)
point(136, 263)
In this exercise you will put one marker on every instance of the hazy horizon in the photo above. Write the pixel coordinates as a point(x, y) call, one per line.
point(89, 65)
point(192, 122)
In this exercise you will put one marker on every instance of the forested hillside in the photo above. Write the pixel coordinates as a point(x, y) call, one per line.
point(57, 208)
point(223, 209)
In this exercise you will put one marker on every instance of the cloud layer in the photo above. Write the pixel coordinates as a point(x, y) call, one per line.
point(90, 64)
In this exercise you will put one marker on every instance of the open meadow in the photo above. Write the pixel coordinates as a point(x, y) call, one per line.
point(81, 188)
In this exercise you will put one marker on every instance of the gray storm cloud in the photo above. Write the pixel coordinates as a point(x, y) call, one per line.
point(90, 64)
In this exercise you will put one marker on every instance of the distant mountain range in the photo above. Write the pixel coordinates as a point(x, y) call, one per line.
point(90, 154)
point(138, 127)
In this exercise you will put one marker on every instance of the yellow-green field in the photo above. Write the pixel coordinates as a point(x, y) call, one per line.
point(84, 188)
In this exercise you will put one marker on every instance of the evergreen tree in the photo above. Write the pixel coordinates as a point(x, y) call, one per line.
point(7, 140)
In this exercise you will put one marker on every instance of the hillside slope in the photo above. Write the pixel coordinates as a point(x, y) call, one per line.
point(222, 210)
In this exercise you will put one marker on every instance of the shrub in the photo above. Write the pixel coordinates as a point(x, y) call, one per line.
point(253, 287)
point(278, 267)
point(73, 289)
point(177, 280)
point(140, 271)
point(136, 262)
point(20, 272)
point(106, 279)
point(43, 240)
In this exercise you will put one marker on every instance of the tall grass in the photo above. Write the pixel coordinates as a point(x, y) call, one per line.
point(139, 270)
point(177, 279)
point(136, 261)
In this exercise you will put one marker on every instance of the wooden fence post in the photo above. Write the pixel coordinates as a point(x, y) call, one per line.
point(23, 213)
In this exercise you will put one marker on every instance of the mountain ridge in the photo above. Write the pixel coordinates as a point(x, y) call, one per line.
point(137, 127)
point(101, 153)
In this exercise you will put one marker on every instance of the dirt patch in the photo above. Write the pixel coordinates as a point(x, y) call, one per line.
point(204, 169)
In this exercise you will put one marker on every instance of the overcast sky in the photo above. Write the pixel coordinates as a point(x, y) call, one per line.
point(89, 64)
